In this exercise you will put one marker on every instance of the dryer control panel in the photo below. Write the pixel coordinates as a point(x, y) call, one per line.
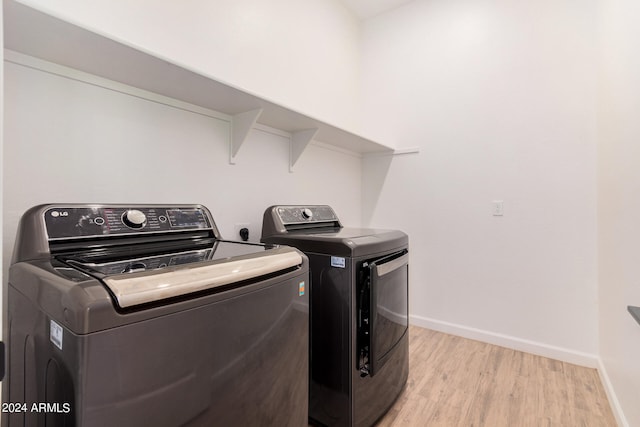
point(64, 222)
point(305, 214)
point(283, 219)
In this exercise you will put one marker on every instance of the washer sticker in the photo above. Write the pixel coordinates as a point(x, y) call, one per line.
point(301, 288)
point(55, 334)
point(337, 261)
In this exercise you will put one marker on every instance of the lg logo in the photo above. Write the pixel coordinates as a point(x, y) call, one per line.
point(56, 214)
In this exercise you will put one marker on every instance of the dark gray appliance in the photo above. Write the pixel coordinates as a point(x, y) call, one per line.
point(142, 315)
point(359, 312)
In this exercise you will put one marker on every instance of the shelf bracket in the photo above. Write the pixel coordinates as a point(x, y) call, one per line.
point(299, 141)
point(241, 125)
point(635, 312)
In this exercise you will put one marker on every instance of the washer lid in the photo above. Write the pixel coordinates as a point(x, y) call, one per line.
point(131, 289)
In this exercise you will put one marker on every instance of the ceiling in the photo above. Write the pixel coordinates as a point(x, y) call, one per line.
point(365, 9)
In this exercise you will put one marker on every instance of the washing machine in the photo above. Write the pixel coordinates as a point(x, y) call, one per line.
point(121, 315)
point(359, 312)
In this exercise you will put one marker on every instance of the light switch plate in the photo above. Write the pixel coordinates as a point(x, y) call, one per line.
point(498, 208)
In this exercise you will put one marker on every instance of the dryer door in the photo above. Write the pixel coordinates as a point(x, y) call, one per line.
point(389, 311)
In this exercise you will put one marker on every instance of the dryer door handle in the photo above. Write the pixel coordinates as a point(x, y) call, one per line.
point(390, 266)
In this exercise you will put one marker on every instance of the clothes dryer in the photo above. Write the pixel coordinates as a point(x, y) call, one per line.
point(359, 312)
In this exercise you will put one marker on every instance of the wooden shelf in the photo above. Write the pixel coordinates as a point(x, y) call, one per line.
point(43, 36)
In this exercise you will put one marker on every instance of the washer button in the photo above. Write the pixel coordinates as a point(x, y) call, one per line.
point(98, 220)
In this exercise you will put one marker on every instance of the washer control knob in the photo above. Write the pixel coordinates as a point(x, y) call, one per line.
point(307, 213)
point(134, 218)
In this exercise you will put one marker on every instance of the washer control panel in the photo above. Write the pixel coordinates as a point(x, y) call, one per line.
point(65, 222)
point(305, 214)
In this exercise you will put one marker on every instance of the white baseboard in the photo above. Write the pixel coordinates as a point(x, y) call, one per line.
point(611, 395)
point(541, 349)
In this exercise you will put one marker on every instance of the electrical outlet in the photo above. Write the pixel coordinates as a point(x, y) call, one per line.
point(240, 226)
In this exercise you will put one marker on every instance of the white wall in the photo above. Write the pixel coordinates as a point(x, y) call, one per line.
point(500, 98)
point(300, 54)
point(619, 200)
point(70, 141)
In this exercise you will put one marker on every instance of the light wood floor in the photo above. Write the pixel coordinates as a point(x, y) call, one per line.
point(454, 381)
